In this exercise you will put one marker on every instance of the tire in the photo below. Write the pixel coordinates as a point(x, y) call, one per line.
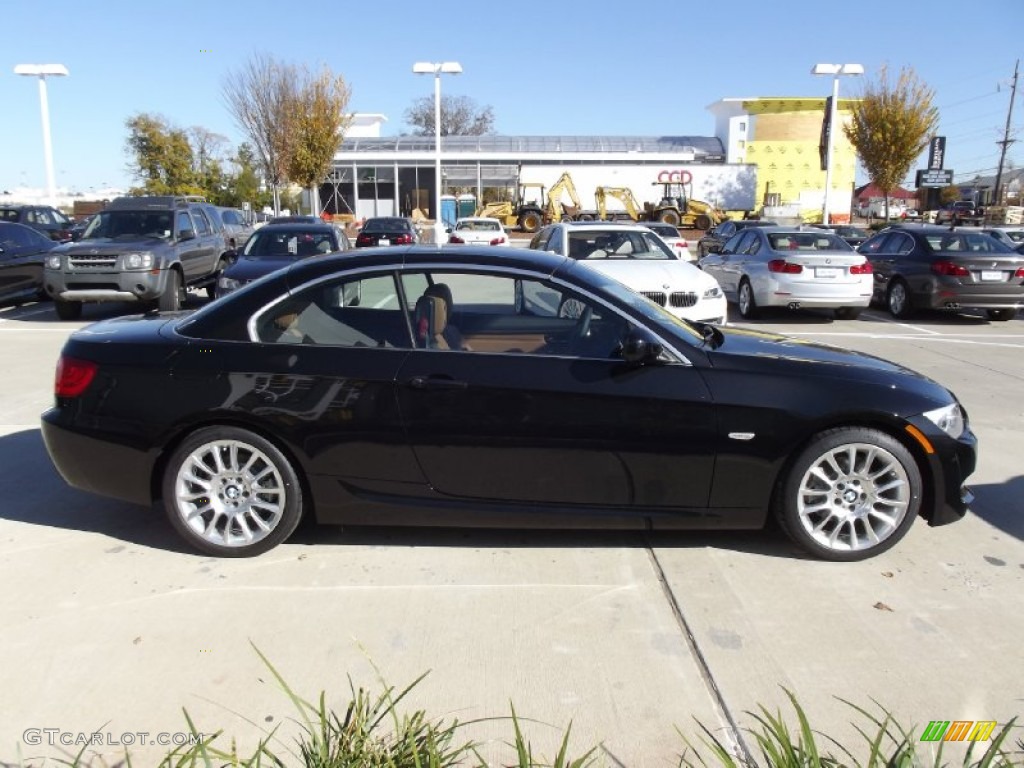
point(258, 500)
point(852, 493)
point(211, 289)
point(170, 299)
point(897, 300)
point(1001, 315)
point(530, 222)
point(703, 222)
point(848, 313)
point(745, 301)
point(68, 310)
point(669, 217)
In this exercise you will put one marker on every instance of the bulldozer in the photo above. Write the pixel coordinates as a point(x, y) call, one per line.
point(679, 209)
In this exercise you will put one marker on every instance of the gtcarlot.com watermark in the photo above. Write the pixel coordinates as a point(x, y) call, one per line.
point(57, 737)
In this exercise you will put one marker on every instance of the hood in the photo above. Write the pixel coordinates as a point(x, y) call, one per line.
point(246, 269)
point(113, 245)
point(652, 274)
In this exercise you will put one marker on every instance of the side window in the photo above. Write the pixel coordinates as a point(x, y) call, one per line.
point(357, 312)
point(202, 224)
point(734, 243)
point(751, 244)
point(899, 244)
point(555, 241)
point(15, 237)
point(183, 223)
point(43, 216)
point(874, 245)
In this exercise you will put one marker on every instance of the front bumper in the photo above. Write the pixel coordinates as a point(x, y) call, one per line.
point(105, 286)
point(949, 466)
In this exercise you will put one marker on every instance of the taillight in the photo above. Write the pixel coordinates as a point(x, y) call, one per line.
point(402, 240)
point(456, 239)
point(861, 269)
point(73, 376)
point(498, 241)
point(364, 240)
point(949, 269)
point(1019, 272)
point(781, 265)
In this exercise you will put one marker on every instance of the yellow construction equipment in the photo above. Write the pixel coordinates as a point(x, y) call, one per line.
point(624, 195)
point(525, 212)
point(679, 209)
point(555, 209)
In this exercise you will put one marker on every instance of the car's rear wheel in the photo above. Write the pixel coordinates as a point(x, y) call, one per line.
point(68, 310)
point(851, 494)
point(847, 313)
point(171, 299)
point(746, 302)
point(1002, 315)
point(898, 300)
point(230, 492)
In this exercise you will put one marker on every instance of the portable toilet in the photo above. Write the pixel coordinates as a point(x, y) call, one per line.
point(467, 205)
point(449, 210)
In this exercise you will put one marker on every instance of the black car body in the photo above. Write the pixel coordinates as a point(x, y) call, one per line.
point(933, 267)
point(45, 218)
point(338, 387)
point(851, 234)
point(274, 246)
point(22, 251)
point(713, 240)
point(387, 230)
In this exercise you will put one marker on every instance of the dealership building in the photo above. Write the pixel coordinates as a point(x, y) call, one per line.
point(763, 150)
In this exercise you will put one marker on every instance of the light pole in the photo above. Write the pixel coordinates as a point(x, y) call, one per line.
point(437, 69)
point(835, 70)
point(42, 71)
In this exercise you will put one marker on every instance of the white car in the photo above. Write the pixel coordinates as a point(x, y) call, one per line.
point(478, 230)
point(670, 234)
point(642, 261)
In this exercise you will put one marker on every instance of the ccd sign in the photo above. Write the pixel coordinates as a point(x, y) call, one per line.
point(675, 177)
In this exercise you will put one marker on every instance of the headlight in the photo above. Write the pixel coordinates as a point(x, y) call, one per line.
point(949, 418)
point(53, 261)
point(227, 284)
point(143, 260)
point(713, 293)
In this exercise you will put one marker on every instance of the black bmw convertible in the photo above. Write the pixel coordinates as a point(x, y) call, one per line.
point(495, 387)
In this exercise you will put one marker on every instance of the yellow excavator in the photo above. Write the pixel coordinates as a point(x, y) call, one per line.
point(526, 212)
point(624, 195)
point(556, 210)
point(679, 209)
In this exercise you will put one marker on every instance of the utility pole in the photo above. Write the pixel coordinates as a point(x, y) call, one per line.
point(1007, 141)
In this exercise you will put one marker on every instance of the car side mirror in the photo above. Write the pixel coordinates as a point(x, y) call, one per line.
point(639, 350)
point(186, 234)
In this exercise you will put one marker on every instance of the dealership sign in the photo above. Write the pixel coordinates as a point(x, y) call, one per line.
point(939, 177)
point(675, 177)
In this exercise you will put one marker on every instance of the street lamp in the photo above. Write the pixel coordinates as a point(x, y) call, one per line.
point(437, 69)
point(835, 70)
point(42, 71)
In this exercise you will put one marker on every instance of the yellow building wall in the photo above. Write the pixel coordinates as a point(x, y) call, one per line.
point(783, 143)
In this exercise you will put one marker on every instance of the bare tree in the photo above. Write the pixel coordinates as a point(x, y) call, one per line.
point(317, 122)
point(891, 126)
point(259, 96)
point(460, 116)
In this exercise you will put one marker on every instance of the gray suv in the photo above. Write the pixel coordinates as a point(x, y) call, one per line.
point(142, 249)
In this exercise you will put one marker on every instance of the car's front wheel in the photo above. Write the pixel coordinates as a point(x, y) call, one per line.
point(1002, 315)
point(852, 493)
point(231, 493)
point(171, 299)
point(68, 310)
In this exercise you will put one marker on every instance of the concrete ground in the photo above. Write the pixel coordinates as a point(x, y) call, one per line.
point(111, 627)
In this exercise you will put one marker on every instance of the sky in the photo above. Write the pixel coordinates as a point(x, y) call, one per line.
point(576, 68)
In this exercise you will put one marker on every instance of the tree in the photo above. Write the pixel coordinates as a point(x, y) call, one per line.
point(891, 126)
point(258, 96)
point(949, 194)
point(460, 116)
point(161, 157)
point(316, 125)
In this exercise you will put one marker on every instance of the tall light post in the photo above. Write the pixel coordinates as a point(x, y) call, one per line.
point(835, 70)
point(437, 69)
point(42, 71)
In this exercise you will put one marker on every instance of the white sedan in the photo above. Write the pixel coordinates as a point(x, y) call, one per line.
point(478, 230)
point(670, 234)
point(640, 260)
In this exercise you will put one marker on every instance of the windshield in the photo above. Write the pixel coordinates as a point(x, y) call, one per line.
point(129, 225)
point(966, 242)
point(622, 244)
point(288, 243)
point(478, 226)
point(807, 241)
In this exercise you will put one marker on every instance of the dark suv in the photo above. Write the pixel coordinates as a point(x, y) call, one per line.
point(715, 238)
point(45, 218)
point(143, 249)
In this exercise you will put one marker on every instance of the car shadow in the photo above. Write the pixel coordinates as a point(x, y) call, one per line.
point(1001, 505)
point(39, 496)
point(35, 311)
point(768, 316)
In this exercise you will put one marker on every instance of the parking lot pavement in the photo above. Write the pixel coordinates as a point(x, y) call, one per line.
point(111, 627)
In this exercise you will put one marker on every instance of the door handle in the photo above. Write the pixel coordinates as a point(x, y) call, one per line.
point(436, 382)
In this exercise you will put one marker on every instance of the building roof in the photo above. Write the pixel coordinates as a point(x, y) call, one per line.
point(871, 190)
point(700, 146)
